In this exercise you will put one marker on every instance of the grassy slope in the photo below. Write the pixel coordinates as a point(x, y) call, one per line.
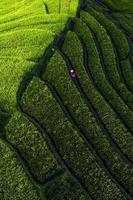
point(26, 30)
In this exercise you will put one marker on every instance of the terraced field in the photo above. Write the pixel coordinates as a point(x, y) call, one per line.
point(66, 100)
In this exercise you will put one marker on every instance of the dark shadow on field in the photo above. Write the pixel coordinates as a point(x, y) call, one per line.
point(42, 62)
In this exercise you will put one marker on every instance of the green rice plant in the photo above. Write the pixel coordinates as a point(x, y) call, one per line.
point(40, 103)
point(28, 140)
point(14, 183)
point(109, 58)
point(57, 75)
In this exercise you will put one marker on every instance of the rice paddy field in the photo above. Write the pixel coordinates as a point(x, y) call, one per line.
point(66, 100)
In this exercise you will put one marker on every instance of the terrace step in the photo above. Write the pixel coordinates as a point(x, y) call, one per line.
point(31, 143)
point(106, 89)
point(80, 157)
point(58, 75)
point(121, 45)
point(84, 59)
point(108, 58)
point(14, 181)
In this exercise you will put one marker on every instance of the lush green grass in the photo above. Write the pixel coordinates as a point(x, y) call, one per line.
point(26, 30)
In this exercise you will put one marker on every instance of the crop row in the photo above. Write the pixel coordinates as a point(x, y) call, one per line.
point(57, 75)
point(120, 134)
point(35, 20)
point(125, 6)
point(125, 23)
point(40, 103)
point(14, 182)
point(108, 58)
point(26, 137)
point(62, 6)
point(22, 9)
point(105, 88)
point(121, 44)
point(117, 35)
